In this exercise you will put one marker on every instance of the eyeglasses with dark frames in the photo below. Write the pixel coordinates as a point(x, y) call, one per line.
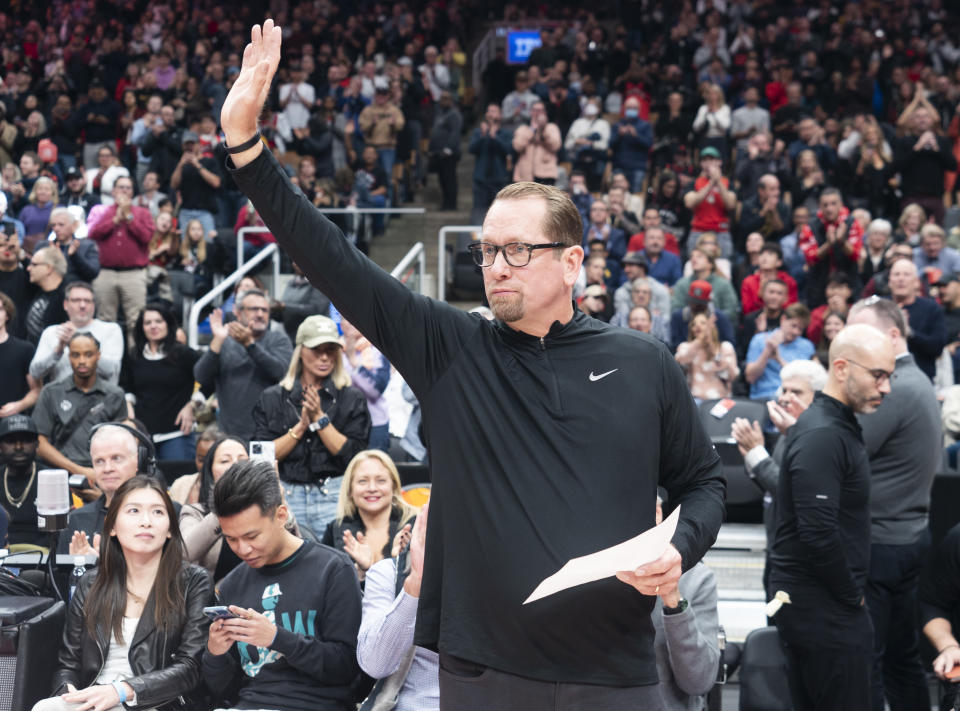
point(516, 254)
point(879, 374)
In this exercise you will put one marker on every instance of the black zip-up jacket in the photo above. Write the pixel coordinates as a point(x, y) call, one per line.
point(541, 450)
point(822, 543)
point(166, 665)
point(310, 462)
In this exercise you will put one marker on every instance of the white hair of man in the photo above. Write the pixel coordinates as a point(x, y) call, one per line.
point(809, 371)
point(117, 431)
point(880, 225)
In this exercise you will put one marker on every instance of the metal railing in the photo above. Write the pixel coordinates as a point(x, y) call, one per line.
point(401, 271)
point(361, 211)
point(270, 251)
point(442, 255)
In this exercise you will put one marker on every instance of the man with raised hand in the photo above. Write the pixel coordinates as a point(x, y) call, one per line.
point(515, 494)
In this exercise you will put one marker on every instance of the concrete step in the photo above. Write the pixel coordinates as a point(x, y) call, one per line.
point(403, 232)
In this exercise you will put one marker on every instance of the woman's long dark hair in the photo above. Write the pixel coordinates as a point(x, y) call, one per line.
point(107, 599)
point(140, 339)
point(205, 495)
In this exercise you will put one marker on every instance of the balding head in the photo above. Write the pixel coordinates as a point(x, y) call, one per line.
point(113, 452)
point(861, 364)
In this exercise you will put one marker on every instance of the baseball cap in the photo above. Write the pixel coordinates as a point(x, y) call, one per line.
point(72, 172)
point(700, 291)
point(710, 152)
point(189, 136)
point(381, 84)
point(15, 424)
point(317, 330)
point(635, 258)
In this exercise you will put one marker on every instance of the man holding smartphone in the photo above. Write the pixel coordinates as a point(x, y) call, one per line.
point(290, 640)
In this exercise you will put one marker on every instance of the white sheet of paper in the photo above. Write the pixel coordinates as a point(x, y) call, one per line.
point(629, 555)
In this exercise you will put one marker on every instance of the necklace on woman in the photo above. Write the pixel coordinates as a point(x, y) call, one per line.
point(136, 598)
point(18, 502)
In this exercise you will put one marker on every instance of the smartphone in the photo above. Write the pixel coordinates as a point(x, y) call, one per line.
point(263, 450)
point(218, 612)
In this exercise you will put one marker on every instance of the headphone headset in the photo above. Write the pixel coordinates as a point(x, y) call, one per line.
point(146, 452)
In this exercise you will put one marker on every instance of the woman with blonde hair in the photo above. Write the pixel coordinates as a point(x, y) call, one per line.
point(710, 365)
point(371, 510)
point(36, 216)
point(911, 221)
point(713, 118)
point(317, 421)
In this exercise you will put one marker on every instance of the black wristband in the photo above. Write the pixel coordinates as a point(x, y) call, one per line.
point(681, 606)
point(245, 146)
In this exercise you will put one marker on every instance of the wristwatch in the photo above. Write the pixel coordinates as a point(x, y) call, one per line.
point(681, 606)
point(320, 424)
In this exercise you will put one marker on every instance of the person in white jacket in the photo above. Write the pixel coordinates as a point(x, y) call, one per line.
point(587, 142)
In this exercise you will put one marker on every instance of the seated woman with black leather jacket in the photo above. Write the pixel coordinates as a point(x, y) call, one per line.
point(135, 630)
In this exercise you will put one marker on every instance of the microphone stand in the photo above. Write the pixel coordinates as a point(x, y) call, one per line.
point(54, 542)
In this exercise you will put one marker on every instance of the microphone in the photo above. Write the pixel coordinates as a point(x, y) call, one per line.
point(53, 499)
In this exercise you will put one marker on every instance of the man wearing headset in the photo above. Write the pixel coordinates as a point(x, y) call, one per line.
point(117, 454)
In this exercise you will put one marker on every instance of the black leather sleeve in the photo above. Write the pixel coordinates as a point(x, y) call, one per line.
point(182, 674)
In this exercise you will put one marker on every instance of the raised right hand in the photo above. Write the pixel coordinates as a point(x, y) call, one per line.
point(219, 331)
point(243, 104)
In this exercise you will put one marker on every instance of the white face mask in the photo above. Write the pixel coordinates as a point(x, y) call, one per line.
point(590, 110)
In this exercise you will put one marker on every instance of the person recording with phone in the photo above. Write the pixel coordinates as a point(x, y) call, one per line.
point(317, 421)
point(292, 644)
point(135, 628)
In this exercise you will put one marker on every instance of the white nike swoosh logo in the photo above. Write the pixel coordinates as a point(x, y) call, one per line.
point(595, 378)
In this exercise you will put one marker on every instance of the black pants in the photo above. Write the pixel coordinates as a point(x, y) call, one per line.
point(829, 650)
point(891, 593)
point(447, 175)
point(465, 686)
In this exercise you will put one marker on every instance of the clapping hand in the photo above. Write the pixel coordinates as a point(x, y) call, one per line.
point(418, 549)
point(240, 333)
point(79, 545)
point(217, 328)
point(311, 410)
point(401, 541)
point(748, 434)
point(780, 416)
point(357, 548)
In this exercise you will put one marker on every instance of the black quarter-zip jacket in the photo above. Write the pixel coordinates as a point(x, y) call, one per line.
point(541, 450)
point(822, 541)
